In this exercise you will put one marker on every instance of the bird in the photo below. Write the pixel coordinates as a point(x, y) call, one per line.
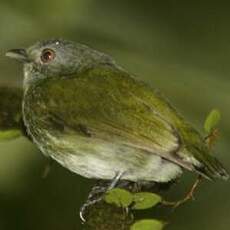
point(96, 119)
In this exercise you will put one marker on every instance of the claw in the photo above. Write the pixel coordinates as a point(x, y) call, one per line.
point(97, 194)
point(81, 214)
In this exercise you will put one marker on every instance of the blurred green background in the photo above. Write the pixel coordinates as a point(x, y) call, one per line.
point(179, 47)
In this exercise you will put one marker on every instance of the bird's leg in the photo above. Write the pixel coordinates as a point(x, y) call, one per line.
point(93, 197)
point(189, 195)
point(115, 180)
point(97, 193)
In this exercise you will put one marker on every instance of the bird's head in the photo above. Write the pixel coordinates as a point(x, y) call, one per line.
point(56, 58)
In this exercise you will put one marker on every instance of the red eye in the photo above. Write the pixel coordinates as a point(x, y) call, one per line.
point(47, 55)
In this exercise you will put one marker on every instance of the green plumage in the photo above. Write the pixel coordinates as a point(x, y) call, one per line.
point(99, 107)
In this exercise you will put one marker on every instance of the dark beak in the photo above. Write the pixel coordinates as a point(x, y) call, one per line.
point(18, 54)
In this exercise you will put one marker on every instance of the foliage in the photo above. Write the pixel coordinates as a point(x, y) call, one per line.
point(136, 201)
point(147, 225)
point(212, 121)
point(119, 197)
point(145, 200)
point(9, 134)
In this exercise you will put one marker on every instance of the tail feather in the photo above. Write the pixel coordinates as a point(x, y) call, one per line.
point(205, 164)
point(212, 168)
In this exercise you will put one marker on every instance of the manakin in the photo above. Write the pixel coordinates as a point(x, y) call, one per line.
point(93, 117)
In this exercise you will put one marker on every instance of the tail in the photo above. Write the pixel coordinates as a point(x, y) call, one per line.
point(206, 164)
point(211, 168)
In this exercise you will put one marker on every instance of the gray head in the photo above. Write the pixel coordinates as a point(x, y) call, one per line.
point(56, 58)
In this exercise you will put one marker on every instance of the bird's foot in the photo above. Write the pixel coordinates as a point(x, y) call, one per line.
point(97, 194)
point(189, 195)
point(91, 200)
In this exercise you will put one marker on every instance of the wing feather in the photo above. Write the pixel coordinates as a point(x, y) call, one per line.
point(110, 109)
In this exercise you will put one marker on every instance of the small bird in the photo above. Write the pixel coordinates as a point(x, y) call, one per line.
point(93, 117)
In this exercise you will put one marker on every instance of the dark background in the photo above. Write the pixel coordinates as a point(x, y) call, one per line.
point(179, 47)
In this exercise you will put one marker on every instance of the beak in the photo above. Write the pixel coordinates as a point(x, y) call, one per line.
point(18, 54)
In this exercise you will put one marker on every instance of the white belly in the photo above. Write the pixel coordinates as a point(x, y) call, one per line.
point(103, 160)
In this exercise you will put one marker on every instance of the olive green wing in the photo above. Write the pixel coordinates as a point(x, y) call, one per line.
point(108, 104)
point(104, 104)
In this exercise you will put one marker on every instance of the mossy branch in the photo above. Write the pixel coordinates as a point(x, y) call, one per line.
point(11, 123)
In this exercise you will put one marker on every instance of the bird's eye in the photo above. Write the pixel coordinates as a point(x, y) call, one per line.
point(47, 55)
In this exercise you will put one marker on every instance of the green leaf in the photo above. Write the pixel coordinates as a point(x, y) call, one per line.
point(150, 224)
point(119, 197)
point(212, 120)
point(144, 200)
point(10, 134)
